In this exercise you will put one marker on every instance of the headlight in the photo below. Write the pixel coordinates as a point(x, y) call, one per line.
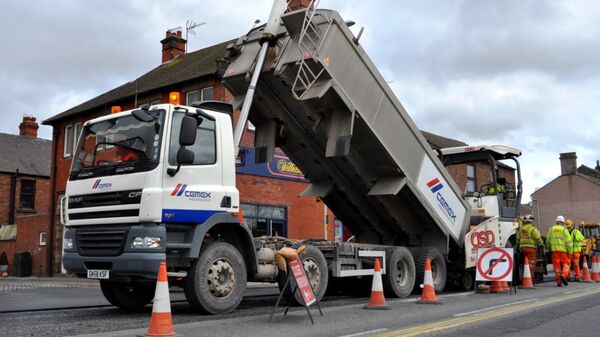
point(146, 242)
point(68, 243)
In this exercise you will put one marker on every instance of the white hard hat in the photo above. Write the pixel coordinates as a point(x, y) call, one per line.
point(560, 218)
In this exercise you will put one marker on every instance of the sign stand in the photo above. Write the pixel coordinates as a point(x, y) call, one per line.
point(306, 293)
point(496, 264)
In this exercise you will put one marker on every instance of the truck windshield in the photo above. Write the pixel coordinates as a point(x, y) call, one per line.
point(119, 145)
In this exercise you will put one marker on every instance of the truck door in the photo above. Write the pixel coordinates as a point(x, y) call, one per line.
point(196, 192)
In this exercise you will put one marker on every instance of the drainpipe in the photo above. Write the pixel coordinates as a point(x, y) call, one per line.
point(13, 197)
point(50, 237)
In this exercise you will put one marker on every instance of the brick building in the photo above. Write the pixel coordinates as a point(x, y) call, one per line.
point(269, 192)
point(24, 195)
point(575, 194)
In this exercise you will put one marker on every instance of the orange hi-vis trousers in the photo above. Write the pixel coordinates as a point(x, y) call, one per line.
point(531, 254)
point(562, 265)
point(575, 259)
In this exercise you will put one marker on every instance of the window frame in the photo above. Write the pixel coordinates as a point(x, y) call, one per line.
point(30, 194)
point(187, 95)
point(174, 139)
point(212, 93)
point(68, 140)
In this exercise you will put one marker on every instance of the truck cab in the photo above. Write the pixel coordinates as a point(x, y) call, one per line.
point(149, 185)
point(495, 206)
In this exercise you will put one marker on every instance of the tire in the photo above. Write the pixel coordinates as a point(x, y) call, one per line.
point(216, 281)
point(399, 279)
point(128, 296)
point(466, 280)
point(438, 268)
point(317, 272)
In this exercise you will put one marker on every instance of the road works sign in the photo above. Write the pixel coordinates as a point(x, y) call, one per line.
point(302, 281)
point(494, 264)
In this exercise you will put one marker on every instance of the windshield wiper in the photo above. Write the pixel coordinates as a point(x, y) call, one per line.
point(128, 166)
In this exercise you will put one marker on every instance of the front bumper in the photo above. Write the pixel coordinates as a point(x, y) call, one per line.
point(143, 265)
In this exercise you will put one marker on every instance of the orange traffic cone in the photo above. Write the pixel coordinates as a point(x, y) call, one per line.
point(428, 296)
point(377, 300)
point(161, 322)
point(505, 286)
point(527, 282)
point(587, 278)
point(497, 287)
point(595, 269)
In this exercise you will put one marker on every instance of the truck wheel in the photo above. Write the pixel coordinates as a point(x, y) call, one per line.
point(316, 269)
point(399, 277)
point(438, 268)
point(128, 296)
point(217, 280)
point(467, 280)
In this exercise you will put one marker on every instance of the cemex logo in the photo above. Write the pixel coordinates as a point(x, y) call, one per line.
point(435, 186)
point(180, 190)
point(99, 185)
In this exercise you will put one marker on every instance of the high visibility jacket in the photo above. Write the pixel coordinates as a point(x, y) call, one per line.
point(529, 237)
point(559, 240)
point(578, 239)
point(496, 188)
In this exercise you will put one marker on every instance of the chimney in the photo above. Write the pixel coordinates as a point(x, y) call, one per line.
point(597, 165)
point(173, 45)
point(297, 4)
point(28, 127)
point(568, 163)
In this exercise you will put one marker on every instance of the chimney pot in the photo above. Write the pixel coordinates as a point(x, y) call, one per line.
point(568, 163)
point(297, 4)
point(28, 127)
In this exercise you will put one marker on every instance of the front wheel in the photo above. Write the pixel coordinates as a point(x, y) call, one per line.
point(128, 296)
point(217, 280)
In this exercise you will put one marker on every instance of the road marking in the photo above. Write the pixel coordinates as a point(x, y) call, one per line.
point(460, 321)
point(494, 307)
point(364, 333)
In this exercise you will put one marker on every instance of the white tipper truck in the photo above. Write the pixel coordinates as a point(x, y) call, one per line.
point(158, 183)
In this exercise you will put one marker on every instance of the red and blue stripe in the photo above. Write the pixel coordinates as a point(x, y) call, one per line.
point(435, 185)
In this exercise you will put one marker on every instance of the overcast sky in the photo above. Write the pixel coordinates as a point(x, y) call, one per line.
point(520, 73)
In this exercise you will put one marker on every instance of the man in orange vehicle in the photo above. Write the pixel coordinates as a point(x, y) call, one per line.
point(528, 239)
point(558, 241)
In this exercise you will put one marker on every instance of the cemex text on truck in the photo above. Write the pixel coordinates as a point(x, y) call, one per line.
point(158, 183)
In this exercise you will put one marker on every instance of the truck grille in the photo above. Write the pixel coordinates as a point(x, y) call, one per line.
point(105, 199)
point(104, 214)
point(101, 241)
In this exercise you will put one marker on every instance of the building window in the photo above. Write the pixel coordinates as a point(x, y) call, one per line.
point(191, 97)
point(207, 94)
point(265, 219)
point(471, 179)
point(42, 238)
point(76, 134)
point(27, 197)
point(68, 146)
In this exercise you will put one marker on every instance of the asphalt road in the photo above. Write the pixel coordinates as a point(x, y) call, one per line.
point(545, 311)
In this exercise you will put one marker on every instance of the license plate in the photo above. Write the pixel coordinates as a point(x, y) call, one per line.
point(98, 274)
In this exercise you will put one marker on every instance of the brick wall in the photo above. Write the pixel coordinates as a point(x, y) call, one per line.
point(30, 223)
point(571, 196)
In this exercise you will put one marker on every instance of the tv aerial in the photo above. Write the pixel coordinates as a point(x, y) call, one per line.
point(189, 29)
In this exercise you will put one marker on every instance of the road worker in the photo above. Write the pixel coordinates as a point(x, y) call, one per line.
point(528, 239)
point(578, 239)
point(558, 241)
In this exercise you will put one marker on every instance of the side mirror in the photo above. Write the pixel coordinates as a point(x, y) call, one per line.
point(185, 156)
point(187, 133)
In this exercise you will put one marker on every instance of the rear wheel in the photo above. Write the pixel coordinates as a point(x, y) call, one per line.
point(467, 280)
point(316, 270)
point(129, 296)
point(438, 268)
point(399, 279)
point(217, 280)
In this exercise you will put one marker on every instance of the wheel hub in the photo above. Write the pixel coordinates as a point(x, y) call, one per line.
point(401, 273)
point(221, 278)
point(312, 272)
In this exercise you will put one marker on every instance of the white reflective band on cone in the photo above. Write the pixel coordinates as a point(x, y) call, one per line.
point(428, 279)
point(161, 298)
point(377, 286)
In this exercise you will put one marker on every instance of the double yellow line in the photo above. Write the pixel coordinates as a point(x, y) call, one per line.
point(456, 322)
